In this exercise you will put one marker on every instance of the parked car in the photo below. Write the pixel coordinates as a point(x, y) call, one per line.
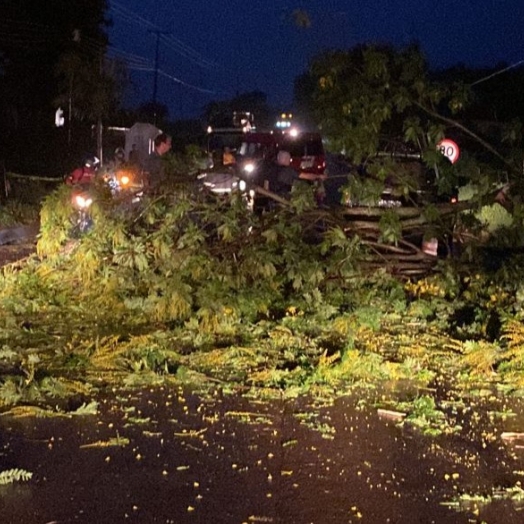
point(306, 150)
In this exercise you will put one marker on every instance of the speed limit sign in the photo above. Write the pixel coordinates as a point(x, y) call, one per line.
point(449, 149)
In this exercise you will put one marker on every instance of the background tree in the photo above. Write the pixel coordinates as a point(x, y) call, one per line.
point(497, 92)
point(49, 55)
point(375, 99)
point(383, 107)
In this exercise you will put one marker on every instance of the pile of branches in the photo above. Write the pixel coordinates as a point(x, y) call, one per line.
point(401, 252)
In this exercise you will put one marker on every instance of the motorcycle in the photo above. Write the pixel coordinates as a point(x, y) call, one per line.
point(120, 179)
point(124, 184)
point(81, 201)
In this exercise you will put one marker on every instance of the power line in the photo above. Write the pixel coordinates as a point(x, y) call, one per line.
point(175, 79)
point(201, 89)
point(173, 43)
point(131, 16)
point(189, 53)
point(496, 73)
point(128, 58)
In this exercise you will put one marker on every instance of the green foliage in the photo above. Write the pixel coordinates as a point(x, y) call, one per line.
point(363, 191)
point(176, 257)
point(358, 92)
point(86, 409)
point(380, 106)
point(514, 354)
point(359, 367)
point(426, 417)
point(15, 475)
point(11, 391)
point(481, 357)
point(185, 288)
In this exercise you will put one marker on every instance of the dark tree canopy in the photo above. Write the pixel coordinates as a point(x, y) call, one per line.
point(44, 49)
point(497, 93)
point(370, 97)
point(387, 112)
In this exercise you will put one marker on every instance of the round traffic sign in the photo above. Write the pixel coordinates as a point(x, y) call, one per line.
point(449, 149)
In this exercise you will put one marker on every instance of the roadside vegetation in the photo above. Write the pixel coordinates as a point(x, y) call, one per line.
point(190, 290)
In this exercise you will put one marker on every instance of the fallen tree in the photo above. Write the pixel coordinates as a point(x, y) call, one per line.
point(404, 256)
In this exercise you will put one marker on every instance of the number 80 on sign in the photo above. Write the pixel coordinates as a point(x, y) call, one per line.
point(449, 149)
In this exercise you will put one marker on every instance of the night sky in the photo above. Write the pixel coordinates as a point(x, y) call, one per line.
point(213, 49)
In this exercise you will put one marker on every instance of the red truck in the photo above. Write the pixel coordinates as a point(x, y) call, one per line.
point(306, 149)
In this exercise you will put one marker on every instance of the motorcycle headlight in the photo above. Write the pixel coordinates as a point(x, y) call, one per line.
point(82, 201)
point(124, 180)
point(242, 185)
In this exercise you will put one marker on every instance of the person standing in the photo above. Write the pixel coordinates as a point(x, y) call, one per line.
point(282, 177)
point(278, 177)
point(154, 165)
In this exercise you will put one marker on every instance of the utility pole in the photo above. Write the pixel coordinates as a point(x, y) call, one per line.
point(99, 124)
point(158, 33)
